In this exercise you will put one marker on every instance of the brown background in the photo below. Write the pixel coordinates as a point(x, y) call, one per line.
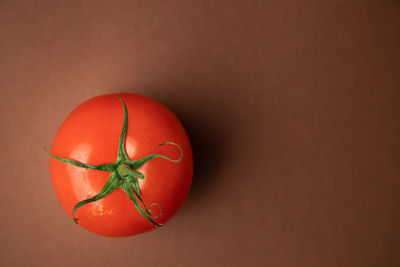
point(292, 108)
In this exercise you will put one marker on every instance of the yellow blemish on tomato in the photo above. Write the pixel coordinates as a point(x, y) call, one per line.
point(99, 211)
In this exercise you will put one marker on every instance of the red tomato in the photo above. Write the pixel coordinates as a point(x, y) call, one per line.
point(91, 135)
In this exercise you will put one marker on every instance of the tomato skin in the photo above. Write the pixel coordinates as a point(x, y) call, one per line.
point(90, 134)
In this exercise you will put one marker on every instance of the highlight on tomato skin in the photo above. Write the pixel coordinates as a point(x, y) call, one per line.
point(121, 164)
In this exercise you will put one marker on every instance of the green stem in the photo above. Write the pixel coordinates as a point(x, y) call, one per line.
point(124, 170)
point(113, 182)
point(128, 190)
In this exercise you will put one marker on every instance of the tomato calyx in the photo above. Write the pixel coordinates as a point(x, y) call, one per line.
point(125, 171)
point(123, 175)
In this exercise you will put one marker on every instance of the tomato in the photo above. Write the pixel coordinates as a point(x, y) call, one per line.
point(121, 164)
